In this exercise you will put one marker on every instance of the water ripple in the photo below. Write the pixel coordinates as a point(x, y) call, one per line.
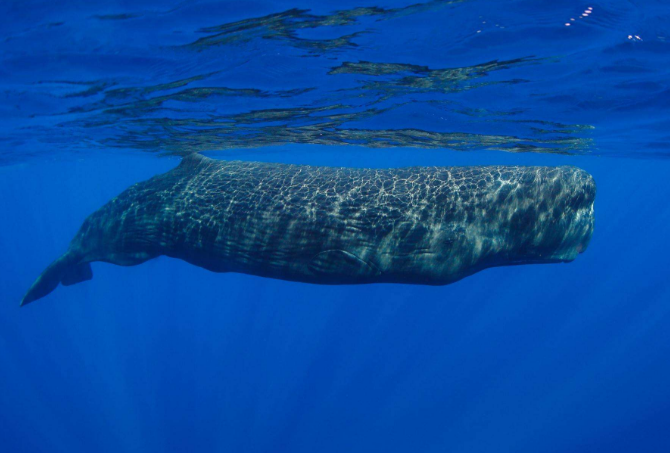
point(449, 75)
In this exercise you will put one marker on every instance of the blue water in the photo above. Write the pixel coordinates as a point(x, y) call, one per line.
point(167, 357)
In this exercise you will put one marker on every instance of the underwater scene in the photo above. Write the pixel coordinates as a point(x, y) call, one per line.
point(334, 226)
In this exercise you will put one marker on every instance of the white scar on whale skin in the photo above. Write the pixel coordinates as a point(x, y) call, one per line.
point(417, 225)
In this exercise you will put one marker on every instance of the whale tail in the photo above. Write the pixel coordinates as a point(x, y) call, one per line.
point(66, 270)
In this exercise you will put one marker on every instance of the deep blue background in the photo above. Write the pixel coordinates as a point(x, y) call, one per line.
point(167, 357)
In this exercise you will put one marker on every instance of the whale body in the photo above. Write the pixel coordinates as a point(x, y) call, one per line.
point(418, 225)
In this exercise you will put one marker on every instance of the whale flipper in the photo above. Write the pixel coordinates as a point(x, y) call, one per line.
point(64, 270)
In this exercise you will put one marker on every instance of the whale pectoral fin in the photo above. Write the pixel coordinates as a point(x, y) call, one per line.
point(342, 266)
point(77, 274)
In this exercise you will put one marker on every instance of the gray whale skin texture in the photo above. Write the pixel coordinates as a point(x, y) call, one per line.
point(420, 225)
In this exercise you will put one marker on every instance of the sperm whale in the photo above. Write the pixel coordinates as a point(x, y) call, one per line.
point(326, 225)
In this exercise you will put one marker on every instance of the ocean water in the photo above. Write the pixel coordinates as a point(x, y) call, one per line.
point(167, 357)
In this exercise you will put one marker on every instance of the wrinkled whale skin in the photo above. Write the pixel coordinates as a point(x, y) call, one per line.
point(420, 225)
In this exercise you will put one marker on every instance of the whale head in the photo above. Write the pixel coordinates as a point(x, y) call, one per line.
point(552, 219)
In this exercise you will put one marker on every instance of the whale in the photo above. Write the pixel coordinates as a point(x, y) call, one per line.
point(333, 226)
